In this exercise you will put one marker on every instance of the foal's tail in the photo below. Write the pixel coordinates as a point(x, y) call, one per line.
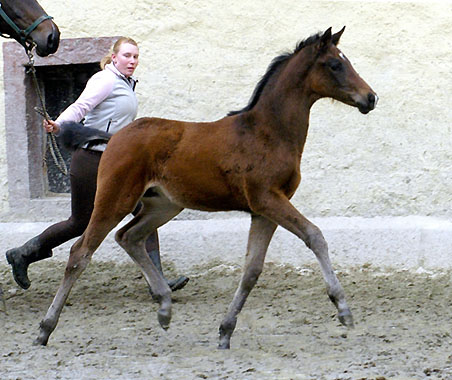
point(75, 135)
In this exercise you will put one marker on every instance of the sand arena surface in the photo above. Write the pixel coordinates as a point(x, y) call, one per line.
point(287, 330)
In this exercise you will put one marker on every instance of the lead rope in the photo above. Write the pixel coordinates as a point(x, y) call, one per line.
point(50, 140)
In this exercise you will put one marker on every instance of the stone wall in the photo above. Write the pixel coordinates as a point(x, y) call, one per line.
point(201, 59)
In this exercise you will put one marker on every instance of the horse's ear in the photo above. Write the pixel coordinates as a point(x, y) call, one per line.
point(336, 36)
point(325, 40)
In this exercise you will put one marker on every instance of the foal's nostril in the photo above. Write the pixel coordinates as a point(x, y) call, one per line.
point(371, 98)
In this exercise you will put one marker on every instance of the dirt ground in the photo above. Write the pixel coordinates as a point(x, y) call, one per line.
point(287, 330)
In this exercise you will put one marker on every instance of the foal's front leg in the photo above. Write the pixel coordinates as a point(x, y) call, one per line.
point(260, 234)
point(280, 210)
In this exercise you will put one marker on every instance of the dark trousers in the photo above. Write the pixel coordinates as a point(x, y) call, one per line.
point(83, 177)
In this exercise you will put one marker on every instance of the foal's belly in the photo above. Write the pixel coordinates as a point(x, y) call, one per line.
point(202, 198)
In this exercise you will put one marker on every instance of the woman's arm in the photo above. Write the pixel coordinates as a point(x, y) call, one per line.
point(98, 87)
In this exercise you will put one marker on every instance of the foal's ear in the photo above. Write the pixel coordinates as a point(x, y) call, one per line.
point(325, 39)
point(336, 36)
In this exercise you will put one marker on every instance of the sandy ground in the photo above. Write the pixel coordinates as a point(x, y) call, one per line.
point(287, 330)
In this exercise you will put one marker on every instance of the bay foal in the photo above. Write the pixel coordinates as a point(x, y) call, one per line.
point(247, 161)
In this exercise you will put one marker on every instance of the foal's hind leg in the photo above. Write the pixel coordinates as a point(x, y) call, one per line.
point(79, 258)
point(156, 211)
point(280, 210)
point(260, 234)
point(78, 261)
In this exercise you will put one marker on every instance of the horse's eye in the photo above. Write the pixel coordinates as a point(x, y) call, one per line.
point(335, 65)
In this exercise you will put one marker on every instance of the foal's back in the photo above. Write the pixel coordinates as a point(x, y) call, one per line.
point(207, 166)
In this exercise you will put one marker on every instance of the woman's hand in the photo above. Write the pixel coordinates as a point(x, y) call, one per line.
point(50, 126)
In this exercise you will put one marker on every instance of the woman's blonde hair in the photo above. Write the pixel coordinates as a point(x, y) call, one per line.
point(115, 49)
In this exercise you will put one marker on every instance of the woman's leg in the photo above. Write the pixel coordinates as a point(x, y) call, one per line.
point(83, 176)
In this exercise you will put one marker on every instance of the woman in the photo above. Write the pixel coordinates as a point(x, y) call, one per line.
point(108, 103)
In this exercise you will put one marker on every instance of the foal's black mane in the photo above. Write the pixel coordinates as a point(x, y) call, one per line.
point(272, 68)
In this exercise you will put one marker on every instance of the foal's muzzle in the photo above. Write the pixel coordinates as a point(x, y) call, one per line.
point(368, 103)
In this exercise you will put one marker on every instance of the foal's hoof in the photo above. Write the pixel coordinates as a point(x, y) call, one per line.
point(346, 319)
point(40, 341)
point(225, 338)
point(164, 317)
point(224, 345)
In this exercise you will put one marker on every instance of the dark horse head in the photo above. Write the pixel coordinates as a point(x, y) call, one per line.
point(27, 23)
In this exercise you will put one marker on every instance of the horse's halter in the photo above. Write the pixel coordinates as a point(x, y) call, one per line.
point(28, 46)
point(22, 33)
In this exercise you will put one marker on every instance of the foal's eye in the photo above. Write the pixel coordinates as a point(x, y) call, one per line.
point(335, 65)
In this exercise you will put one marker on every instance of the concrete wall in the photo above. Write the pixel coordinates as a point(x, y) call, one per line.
point(201, 59)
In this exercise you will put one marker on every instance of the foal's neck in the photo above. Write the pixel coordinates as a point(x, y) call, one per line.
point(287, 101)
point(287, 117)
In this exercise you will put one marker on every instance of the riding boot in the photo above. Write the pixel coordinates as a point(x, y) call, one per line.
point(152, 247)
point(20, 258)
point(175, 284)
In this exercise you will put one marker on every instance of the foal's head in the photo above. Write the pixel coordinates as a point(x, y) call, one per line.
point(332, 75)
